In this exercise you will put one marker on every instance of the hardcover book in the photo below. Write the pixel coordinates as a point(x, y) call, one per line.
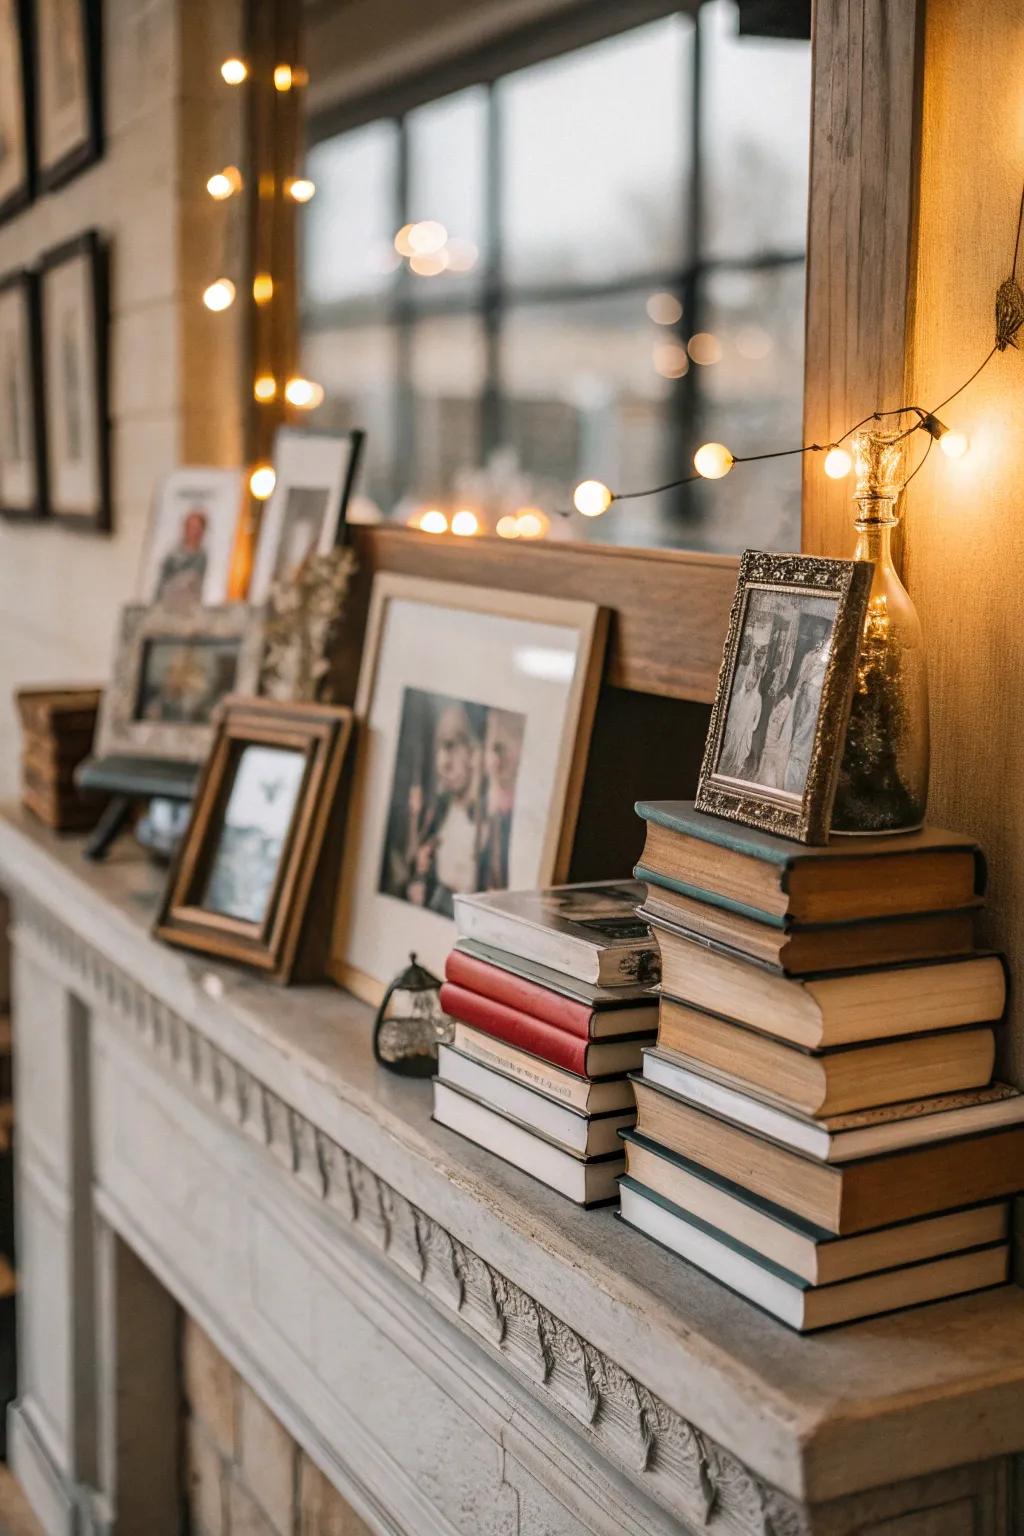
point(593, 1135)
point(589, 1095)
point(587, 1058)
point(570, 1006)
point(590, 932)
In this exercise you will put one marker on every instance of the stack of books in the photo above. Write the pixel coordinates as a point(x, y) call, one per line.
point(57, 727)
point(551, 996)
point(817, 1124)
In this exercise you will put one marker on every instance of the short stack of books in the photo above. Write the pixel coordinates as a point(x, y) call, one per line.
point(817, 1124)
point(57, 727)
point(550, 991)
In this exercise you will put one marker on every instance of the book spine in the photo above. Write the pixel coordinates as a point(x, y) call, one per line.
point(518, 993)
point(516, 1028)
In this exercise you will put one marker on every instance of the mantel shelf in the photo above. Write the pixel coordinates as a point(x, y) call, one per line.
point(818, 1417)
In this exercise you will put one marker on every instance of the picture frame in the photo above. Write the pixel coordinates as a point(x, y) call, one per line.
point(241, 879)
point(22, 415)
point(778, 725)
point(474, 711)
point(68, 89)
point(190, 540)
point(171, 671)
point(17, 113)
point(305, 515)
point(74, 308)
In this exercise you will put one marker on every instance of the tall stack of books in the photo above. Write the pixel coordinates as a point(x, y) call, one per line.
point(550, 991)
point(817, 1124)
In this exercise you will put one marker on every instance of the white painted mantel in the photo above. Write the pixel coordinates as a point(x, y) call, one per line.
point(462, 1352)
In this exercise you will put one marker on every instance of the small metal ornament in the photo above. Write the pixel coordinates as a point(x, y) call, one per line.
point(411, 1023)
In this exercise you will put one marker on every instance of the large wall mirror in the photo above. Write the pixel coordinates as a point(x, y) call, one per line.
point(548, 246)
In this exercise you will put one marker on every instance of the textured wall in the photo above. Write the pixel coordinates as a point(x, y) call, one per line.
point(174, 391)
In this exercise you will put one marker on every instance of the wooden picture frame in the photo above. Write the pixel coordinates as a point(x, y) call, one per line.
point(17, 111)
point(22, 415)
point(514, 679)
point(246, 899)
point(68, 88)
point(216, 651)
point(778, 723)
point(306, 512)
point(73, 281)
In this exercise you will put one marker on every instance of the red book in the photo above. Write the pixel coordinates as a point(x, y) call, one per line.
point(575, 1014)
point(586, 1058)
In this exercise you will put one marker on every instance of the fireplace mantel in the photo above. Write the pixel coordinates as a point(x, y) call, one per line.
point(459, 1349)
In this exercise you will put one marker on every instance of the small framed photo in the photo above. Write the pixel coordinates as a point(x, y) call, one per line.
point(305, 515)
point(69, 92)
point(22, 435)
point(778, 726)
point(73, 293)
point(240, 885)
point(191, 538)
point(16, 113)
point(474, 710)
point(171, 671)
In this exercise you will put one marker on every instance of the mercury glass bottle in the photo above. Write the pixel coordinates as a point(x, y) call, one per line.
point(883, 781)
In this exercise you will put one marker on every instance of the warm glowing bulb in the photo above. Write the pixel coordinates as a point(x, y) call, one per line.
point(220, 294)
point(301, 189)
point(283, 77)
point(954, 444)
point(704, 348)
point(507, 527)
point(465, 523)
point(401, 242)
point(532, 523)
point(224, 183)
point(433, 521)
point(427, 236)
point(591, 498)
point(234, 71)
point(431, 265)
point(303, 393)
point(265, 387)
point(713, 460)
point(664, 309)
point(838, 464)
point(262, 481)
point(263, 287)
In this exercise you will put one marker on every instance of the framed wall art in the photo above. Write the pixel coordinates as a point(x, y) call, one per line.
point(17, 119)
point(22, 431)
point(69, 88)
point(171, 671)
point(306, 513)
point(778, 726)
point(474, 711)
point(240, 885)
point(191, 538)
point(73, 297)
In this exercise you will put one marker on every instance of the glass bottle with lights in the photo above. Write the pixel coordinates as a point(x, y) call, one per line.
point(883, 781)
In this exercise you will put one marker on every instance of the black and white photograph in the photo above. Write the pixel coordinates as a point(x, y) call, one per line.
point(257, 820)
point(22, 468)
point(15, 109)
point(183, 680)
point(74, 319)
point(453, 800)
point(68, 88)
point(306, 513)
point(191, 540)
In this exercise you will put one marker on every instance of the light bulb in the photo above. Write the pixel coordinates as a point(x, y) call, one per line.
point(954, 444)
point(225, 183)
point(838, 463)
point(263, 287)
point(664, 309)
point(234, 71)
point(264, 387)
point(282, 77)
point(465, 523)
point(704, 348)
point(303, 393)
point(433, 521)
point(507, 527)
point(431, 265)
point(427, 236)
point(300, 189)
point(713, 460)
point(220, 294)
point(591, 498)
point(532, 523)
point(262, 481)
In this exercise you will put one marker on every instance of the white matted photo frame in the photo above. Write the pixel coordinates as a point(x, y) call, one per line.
point(17, 118)
point(69, 88)
point(22, 430)
point(190, 542)
point(778, 726)
point(73, 300)
point(305, 515)
point(171, 672)
point(474, 712)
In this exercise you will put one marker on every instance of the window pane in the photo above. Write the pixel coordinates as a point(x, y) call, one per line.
point(447, 372)
point(358, 370)
point(755, 137)
point(594, 158)
point(349, 228)
point(447, 168)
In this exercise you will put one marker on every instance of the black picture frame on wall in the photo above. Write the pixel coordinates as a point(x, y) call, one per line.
point(68, 49)
point(22, 416)
point(17, 110)
point(74, 306)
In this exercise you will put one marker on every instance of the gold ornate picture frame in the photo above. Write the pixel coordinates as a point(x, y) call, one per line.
point(778, 725)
